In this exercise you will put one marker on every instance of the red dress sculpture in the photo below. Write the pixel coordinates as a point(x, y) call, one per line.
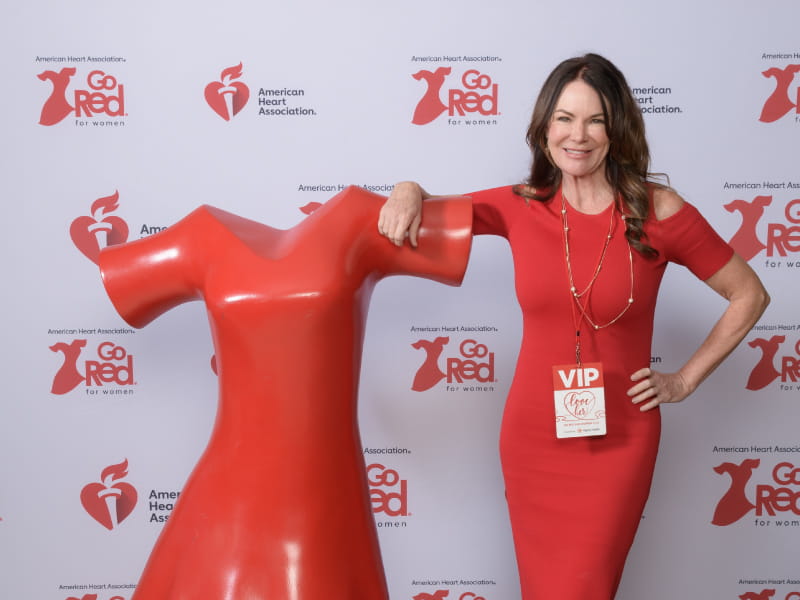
point(277, 507)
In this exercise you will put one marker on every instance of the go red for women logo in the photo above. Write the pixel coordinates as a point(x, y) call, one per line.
point(769, 594)
point(227, 96)
point(387, 491)
point(778, 497)
point(475, 94)
point(114, 365)
point(473, 366)
point(90, 234)
point(110, 501)
point(785, 98)
point(783, 238)
point(103, 96)
point(765, 372)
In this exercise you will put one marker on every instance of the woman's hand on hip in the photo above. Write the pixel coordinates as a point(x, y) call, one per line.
point(653, 388)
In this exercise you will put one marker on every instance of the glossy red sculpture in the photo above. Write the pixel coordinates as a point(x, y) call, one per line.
point(277, 507)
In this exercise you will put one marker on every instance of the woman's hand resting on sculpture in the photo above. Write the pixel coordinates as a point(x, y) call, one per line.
point(401, 214)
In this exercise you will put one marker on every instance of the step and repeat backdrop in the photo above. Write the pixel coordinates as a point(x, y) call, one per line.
point(120, 119)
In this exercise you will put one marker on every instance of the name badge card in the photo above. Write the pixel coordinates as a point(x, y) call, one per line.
point(580, 400)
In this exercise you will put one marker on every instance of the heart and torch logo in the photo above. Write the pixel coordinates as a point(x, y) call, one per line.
point(90, 234)
point(227, 96)
point(110, 501)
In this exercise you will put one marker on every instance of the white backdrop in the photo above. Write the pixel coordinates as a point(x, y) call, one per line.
point(112, 119)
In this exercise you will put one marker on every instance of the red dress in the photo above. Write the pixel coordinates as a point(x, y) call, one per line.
point(575, 503)
point(278, 506)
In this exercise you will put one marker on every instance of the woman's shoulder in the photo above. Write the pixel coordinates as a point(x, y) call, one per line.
point(666, 202)
point(505, 196)
point(502, 190)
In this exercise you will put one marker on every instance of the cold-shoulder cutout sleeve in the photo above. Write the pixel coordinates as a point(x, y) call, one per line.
point(687, 238)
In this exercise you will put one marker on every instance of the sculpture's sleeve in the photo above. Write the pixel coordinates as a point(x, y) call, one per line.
point(444, 243)
point(145, 278)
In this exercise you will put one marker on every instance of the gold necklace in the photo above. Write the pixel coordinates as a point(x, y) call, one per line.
point(576, 295)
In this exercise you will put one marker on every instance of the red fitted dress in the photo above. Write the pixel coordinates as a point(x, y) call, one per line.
point(575, 503)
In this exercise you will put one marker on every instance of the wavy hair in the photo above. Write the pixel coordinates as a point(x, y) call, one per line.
point(628, 161)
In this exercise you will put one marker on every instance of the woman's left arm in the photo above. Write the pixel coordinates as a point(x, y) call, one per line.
point(747, 300)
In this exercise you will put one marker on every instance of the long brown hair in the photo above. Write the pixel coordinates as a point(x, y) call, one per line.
point(628, 160)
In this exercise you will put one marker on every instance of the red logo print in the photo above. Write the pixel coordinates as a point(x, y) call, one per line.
point(765, 372)
point(429, 374)
point(110, 501)
point(309, 208)
point(430, 105)
point(476, 364)
point(388, 493)
point(781, 102)
point(734, 504)
point(90, 234)
point(115, 366)
point(745, 241)
point(56, 107)
point(68, 378)
point(767, 594)
point(227, 97)
point(478, 95)
point(781, 495)
point(105, 96)
point(782, 238)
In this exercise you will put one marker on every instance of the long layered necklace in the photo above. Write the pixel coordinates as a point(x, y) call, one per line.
point(581, 298)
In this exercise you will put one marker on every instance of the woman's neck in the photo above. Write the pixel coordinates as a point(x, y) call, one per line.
point(590, 194)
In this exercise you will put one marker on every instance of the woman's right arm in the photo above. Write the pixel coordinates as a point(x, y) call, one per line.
point(401, 214)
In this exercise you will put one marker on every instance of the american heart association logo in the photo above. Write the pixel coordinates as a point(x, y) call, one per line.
point(110, 501)
point(227, 97)
point(580, 404)
point(90, 234)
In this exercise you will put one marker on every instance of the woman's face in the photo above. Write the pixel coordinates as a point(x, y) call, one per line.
point(577, 138)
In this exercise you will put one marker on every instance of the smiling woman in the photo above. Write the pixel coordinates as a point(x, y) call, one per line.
point(577, 143)
point(591, 234)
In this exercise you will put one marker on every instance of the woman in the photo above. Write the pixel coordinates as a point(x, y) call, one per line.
point(591, 235)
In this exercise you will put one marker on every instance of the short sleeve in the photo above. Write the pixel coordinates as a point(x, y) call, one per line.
point(145, 278)
point(688, 239)
point(445, 241)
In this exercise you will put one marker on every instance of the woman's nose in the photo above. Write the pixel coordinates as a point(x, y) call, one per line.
point(578, 131)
